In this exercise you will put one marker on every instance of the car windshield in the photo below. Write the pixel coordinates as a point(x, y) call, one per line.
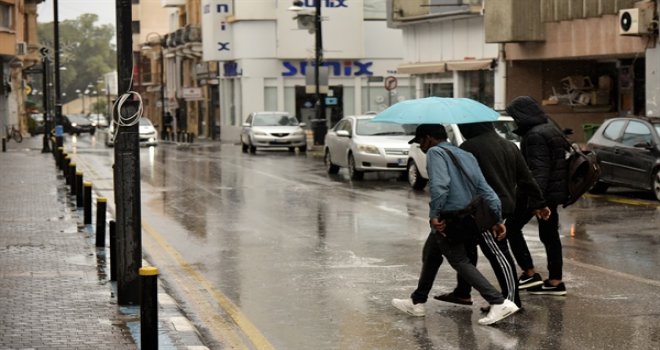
point(657, 128)
point(145, 122)
point(78, 119)
point(367, 127)
point(274, 120)
point(505, 129)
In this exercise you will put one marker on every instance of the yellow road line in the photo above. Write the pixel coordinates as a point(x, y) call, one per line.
point(249, 329)
point(627, 201)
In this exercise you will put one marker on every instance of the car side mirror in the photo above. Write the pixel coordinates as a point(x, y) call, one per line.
point(302, 125)
point(246, 124)
point(343, 133)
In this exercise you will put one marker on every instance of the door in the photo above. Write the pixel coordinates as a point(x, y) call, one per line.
point(609, 147)
point(635, 163)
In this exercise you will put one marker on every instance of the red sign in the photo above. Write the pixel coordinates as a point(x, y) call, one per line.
point(390, 83)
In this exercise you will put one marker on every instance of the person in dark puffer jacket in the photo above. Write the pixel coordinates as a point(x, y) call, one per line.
point(544, 149)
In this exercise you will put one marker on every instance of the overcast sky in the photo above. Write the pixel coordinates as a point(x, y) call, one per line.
point(71, 9)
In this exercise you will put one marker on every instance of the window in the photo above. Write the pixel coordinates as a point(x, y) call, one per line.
point(135, 2)
point(636, 133)
point(479, 85)
point(613, 130)
point(135, 27)
point(6, 16)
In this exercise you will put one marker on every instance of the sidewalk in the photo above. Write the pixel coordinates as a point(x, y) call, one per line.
point(55, 291)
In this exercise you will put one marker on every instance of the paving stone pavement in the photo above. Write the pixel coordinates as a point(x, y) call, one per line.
point(54, 290)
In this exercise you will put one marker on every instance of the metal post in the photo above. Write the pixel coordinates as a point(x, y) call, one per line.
point(318, 56)
point(127, 170)
point(149, 308)
point(101, 205)
point(59, 137)
point(112, 227)
point(46, 145)
point(87, 203)
point(71, 177)
point(162, 82)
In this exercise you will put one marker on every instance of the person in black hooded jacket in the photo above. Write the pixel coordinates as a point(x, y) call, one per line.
point(505, 170)
point(544, 149)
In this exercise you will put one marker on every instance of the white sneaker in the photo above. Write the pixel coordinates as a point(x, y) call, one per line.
point(407, 306)
point(499, 312)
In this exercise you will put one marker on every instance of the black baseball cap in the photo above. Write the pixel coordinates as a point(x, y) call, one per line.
point(436, 131)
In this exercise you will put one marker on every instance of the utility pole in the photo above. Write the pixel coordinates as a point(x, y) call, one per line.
point(46, 142)
point(59, 132)
point(127, 168)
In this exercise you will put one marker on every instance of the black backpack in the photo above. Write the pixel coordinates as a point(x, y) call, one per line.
point(583, 172)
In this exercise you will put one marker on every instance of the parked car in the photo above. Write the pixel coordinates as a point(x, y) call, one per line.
point(36, 124)
point(100, 120)
point(272, 130)
point(76, 124)
point(628, 151)
point(148, 134)
point(362, 145)
point(416, 167)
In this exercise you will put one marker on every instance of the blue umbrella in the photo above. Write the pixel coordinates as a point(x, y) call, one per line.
point(437, 110)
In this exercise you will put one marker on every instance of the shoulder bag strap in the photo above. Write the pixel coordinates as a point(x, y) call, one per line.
point(458, 164)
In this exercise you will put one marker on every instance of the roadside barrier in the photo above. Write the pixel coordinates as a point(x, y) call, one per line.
point(87, 203)
point(65, 170)
point(4, 145)
point(149, 308)
point(101, 206)
point(72, 178)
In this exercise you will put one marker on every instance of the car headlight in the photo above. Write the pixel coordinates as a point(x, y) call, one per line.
point(74, 124)
point(93, 124)
point(259, 133)
point(368, 149)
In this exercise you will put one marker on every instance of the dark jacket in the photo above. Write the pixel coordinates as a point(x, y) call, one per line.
point(502, 164)
point(543, 146)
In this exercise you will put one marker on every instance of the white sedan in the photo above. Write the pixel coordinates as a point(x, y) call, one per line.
point(361, 145)
point(272, 130)
point(417, 174)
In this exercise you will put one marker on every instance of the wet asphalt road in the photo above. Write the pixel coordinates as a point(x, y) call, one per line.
point(268, 250)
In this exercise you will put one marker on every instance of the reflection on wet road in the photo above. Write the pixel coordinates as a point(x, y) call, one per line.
point(312, 261)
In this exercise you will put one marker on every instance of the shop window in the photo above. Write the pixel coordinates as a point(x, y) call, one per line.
point(6, 16)
point(479, 85)
point(135, 27)
point(439, 90)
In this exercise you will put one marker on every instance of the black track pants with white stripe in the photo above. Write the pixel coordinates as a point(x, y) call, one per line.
point(497, 253)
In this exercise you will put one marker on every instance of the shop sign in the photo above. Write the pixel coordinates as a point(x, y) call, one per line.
point(192, 93)
point(346, 68)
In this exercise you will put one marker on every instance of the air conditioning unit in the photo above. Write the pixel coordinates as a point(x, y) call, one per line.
point(21, 48)
point(635, 21)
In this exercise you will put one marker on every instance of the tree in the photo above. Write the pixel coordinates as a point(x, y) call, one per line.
point(86, 50)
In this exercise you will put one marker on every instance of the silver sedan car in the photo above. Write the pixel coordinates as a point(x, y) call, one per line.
point(272, 130)
point(361, 145)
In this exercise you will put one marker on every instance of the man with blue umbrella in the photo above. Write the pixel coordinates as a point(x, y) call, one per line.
point(451, 191)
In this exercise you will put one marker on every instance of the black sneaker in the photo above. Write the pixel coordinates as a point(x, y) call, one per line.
point(548, 289)
point(525, 281)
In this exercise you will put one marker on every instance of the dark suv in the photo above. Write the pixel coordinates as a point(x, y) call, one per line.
point(628, 151)
point(78, 124)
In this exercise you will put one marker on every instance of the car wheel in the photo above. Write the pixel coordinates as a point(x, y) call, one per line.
point(352, 171)
point(415, 179)
point(656, 183)
point(599, 187)
point(329, 167)
point(292, 149)
point(303, 148)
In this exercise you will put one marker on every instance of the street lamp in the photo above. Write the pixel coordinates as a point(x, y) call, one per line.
point(148, 45)
point(311, 20)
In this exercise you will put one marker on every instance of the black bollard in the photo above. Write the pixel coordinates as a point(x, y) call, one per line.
point(101, 205)
point(149, 308)
point(113, 250)
point(72, 177)
point(87, 203)
point(59, 157)
point(4, 145)
point(66, 160)
point(79, 189)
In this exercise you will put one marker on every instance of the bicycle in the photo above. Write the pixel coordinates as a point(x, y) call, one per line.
point(12, 133)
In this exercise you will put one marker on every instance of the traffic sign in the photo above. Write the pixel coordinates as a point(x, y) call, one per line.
point(390, 83)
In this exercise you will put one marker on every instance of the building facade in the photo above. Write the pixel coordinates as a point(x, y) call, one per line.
point(19, 50)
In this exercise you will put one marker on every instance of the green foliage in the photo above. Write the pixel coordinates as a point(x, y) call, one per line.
point(86, 50)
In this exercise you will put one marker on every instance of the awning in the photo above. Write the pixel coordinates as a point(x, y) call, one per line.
point(422, 68)
point(470, 64)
